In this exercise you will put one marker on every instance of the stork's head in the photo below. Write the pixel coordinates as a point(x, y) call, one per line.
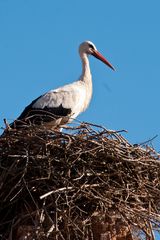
point(89, 48)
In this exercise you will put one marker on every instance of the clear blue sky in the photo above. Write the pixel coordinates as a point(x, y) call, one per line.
point(38, 52)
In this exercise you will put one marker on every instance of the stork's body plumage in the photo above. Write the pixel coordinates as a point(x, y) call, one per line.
point(60, 106)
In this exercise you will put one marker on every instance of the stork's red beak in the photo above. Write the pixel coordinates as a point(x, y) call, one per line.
point(98, 55)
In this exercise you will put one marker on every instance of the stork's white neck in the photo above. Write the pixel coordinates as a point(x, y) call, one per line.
point(86, 73)
point(86, 78)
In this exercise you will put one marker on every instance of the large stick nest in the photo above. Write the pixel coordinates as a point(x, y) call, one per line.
point(84, 183)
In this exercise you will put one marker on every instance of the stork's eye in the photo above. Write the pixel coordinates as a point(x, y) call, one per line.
point(91, 46)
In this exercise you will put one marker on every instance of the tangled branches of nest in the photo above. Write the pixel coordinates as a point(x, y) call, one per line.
point(85, 183)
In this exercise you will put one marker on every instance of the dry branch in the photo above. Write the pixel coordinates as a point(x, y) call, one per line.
point(85, 183)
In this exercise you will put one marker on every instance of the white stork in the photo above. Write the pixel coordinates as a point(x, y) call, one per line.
point(60, 106)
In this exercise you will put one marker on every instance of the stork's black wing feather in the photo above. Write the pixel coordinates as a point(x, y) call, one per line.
point(27, 109)
point(39, 116)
